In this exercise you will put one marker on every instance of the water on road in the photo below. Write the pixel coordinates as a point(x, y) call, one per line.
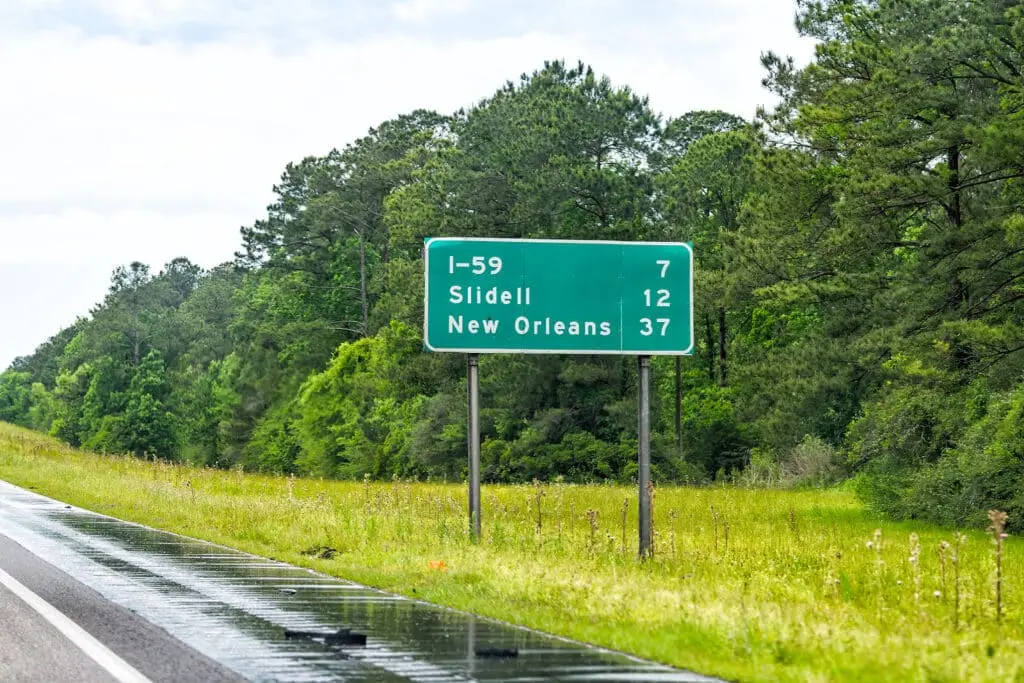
point(268, 620)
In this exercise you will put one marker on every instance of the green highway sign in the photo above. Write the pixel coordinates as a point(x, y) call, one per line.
point(486, 295)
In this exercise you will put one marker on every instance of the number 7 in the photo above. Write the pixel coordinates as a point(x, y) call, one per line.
point(664, 266)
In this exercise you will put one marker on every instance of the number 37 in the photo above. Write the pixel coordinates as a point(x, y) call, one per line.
point(647, 327)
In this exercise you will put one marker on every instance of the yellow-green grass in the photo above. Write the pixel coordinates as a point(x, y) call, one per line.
point(753, 585)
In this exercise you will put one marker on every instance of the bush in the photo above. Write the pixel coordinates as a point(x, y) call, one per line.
point(579, 457)
point(947, 461)
point(898, 435)
point(985, 471)
point(812, 462)
point(15, 395)
point(713, 439)
point(762, 471)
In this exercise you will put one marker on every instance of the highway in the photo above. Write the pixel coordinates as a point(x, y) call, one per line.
point(88, 598)
point(55, 629)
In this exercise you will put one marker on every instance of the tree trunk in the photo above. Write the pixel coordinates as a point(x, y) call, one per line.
point(362, 283)
point(381, 231)
point(954, 211)
point(709, 335)
point(723, 378)
point(958, 292)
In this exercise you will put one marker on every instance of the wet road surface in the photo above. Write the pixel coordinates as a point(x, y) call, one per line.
point(33, 650)
point(177, 609)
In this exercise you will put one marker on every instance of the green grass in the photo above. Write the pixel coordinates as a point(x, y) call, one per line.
point(752, 585)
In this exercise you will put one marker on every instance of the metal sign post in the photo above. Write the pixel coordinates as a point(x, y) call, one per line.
point(679, 406)
point(473, 426)
point(644, 469)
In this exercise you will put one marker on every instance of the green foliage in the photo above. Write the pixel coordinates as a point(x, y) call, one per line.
point(859, 286)
point(891, 218)
point(742, 585)
point(355, 418)
point(579, 457)
point(15, 397)
point(714, 440)
point(960, 479)
point(41, 408)
point(146, 427)
point(439, 437)
point(68, 396)
point(812, 462)
point(276, 445)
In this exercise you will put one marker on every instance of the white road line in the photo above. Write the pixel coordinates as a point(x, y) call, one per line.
point(97, 651)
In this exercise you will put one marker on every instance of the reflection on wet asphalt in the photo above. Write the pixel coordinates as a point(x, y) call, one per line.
point(235, 608)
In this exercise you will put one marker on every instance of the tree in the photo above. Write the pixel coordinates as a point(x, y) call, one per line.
point(126, 312)
point(704, 193)
point(892, 153)
point(15, 395)
point(146, 427)
point(44, 364)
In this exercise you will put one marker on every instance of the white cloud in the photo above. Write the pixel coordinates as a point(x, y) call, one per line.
point(271, 18)
point(74, 236)
point(39, 302)
point(108, 121)
point(116, 149)
point(422, 10)
point(153, 13)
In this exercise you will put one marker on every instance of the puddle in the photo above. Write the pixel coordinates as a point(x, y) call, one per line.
point(235, 608)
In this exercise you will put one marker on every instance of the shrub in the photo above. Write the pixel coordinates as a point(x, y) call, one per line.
point(812, 462)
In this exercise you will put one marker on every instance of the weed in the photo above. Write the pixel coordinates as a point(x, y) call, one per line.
point(876, 545)
point(915, 568)
point(625, 510)
point(997, 530)
point(672, 531)
point(958, 542)
point(714, 526)
point(755, 614)
point(943, 552)
point(592, 518)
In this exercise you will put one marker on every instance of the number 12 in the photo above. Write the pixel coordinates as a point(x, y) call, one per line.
point(663, 295)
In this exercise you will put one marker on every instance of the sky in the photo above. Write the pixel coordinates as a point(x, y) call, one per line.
point(144, 130)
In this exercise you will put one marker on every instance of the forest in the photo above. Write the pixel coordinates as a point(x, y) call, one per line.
point(859, 287)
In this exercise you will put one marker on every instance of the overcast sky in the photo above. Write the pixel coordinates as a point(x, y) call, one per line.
point(150, 129)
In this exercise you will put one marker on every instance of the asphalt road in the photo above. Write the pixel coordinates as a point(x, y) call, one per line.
point(54, 629)
point(89, 598)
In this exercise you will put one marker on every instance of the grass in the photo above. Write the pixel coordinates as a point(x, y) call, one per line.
point(752, 585)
